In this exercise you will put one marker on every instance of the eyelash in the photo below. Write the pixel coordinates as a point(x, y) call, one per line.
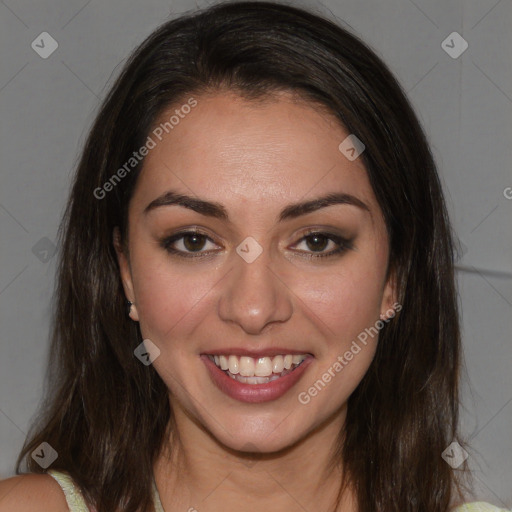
point(343, 244)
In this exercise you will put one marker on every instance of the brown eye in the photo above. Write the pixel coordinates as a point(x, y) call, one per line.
point(194, 242)
point(317, 242)
point(186, 244)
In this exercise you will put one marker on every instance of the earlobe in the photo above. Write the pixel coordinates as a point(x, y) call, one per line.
point(125, 274)
point(132, 311)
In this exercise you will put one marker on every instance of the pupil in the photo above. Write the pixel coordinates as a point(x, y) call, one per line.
point(197, 243)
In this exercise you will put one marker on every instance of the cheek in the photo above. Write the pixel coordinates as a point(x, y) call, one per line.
point(347, 301)
point(169, 299)
point(345, 306)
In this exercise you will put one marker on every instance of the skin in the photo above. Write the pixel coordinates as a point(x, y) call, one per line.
point(255, 159)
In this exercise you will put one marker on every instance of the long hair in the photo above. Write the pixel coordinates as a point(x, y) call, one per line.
point(106, 414)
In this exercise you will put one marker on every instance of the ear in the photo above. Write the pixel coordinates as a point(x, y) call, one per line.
point(125, 271)
point(389, 305)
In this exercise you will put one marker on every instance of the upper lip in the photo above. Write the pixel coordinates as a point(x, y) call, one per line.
point(256, 354)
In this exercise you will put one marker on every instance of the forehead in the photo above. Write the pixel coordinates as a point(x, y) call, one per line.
point(244, 152)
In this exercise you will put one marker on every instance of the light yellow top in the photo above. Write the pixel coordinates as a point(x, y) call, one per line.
point(76, 502)
point(479, 506)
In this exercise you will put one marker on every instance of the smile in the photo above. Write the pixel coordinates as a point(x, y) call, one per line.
point(255, 380)
point(261, 370)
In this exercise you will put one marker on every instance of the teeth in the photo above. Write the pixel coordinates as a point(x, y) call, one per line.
point(263, 367)
point(254, 380)
point(233, 364)
point(278, 364)
point(224, 365)
point(247, 366)
point(257, 371)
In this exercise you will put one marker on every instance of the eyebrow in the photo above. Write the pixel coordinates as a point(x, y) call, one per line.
point(218, 211)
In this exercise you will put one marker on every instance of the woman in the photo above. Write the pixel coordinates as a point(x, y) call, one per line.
point(256, 301)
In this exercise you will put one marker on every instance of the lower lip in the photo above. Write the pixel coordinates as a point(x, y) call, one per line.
point(254, 393)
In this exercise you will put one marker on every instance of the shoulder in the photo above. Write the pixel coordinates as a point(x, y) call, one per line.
point(31, 493)
point(477, 506)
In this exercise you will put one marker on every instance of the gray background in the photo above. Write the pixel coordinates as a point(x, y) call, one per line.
point(465, 105)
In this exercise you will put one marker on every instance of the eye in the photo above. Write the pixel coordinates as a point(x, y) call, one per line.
point(186, 243)
point(190, 244)
point(318, 241)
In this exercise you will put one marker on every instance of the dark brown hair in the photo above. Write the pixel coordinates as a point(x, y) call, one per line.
point(106, 414)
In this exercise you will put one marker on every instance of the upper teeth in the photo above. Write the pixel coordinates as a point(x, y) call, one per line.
point(261, 367)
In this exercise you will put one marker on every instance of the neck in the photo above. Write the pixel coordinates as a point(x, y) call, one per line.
point(194, 471)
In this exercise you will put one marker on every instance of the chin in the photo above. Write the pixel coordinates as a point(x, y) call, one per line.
point(260, 434)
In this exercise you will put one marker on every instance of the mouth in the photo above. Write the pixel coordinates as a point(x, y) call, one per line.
point(261, 370)
point(256, 379)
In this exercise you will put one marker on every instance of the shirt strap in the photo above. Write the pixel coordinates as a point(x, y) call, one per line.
point(74, 498)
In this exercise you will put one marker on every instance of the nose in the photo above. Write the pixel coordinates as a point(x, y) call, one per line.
point(254, 295)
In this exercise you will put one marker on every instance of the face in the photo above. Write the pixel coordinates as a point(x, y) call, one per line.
point(254, 301)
